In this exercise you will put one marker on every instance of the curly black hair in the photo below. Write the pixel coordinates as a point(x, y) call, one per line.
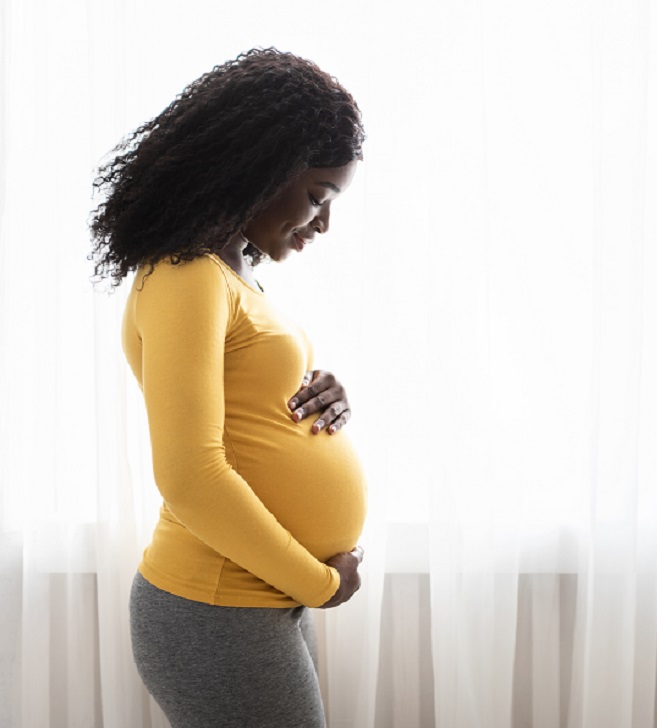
point(184, 183)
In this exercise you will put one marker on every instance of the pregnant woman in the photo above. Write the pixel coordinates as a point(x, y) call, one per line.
point(263, 503)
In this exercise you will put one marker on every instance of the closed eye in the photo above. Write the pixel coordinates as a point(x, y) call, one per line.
point(314, 201)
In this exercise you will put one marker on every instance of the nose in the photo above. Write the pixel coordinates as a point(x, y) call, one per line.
point(321, 222)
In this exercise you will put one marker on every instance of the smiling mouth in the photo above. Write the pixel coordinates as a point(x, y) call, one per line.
point(299, 242)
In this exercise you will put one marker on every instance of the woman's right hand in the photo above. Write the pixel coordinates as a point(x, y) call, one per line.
point(347, 566)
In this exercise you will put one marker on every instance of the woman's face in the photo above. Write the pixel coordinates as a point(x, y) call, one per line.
point(302, 209)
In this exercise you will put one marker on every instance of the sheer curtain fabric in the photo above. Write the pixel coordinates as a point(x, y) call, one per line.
point(486, 293)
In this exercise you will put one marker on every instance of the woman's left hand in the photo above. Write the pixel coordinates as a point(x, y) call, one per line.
point(321, 392)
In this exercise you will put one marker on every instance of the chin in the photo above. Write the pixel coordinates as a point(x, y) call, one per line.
point(280, 255)
point(273, 252)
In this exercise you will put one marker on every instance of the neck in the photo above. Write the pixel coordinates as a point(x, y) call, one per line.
point(233, 255)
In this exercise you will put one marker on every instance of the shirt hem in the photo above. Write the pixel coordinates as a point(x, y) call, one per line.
point(208, 597)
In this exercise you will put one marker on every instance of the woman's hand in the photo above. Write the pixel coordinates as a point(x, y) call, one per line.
point(321, 392)
point(347, 566)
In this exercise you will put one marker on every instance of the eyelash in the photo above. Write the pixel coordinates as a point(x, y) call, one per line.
point(314, 201)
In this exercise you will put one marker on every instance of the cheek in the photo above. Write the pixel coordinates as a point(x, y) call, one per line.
point(285, 215)
point(294, 215)
point(305, 214)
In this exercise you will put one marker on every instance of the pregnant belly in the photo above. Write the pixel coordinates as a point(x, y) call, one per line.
point(313, 484)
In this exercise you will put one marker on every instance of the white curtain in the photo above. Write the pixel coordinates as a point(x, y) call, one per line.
point(487, 295)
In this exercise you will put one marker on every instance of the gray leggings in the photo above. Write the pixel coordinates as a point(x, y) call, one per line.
point(225, 667)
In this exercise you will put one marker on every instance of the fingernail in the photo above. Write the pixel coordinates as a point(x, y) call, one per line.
point(331, 430)
point(292, 404)
point(319, 424)
point(299, 414)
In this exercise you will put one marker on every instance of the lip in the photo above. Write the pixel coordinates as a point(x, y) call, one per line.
point(299, 242)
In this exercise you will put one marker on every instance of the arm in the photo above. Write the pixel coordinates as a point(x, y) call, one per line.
point(183, 314)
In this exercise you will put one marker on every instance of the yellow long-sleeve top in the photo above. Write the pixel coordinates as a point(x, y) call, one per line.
point(254, 503)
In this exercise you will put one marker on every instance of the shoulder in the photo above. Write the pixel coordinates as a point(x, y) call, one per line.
point(200, 277)
point(192, 284)
point(205, 269)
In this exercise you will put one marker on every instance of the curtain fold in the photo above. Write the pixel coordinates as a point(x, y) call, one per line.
point(486, 294)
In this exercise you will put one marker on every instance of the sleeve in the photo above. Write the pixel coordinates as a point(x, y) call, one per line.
point(183, 313)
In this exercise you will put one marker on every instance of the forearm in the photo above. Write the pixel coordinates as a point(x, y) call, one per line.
point(215, 504)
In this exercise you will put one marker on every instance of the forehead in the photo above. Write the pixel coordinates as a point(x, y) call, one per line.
point(336, 179)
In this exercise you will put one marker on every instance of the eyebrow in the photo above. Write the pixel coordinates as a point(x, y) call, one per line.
point(330, 185)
